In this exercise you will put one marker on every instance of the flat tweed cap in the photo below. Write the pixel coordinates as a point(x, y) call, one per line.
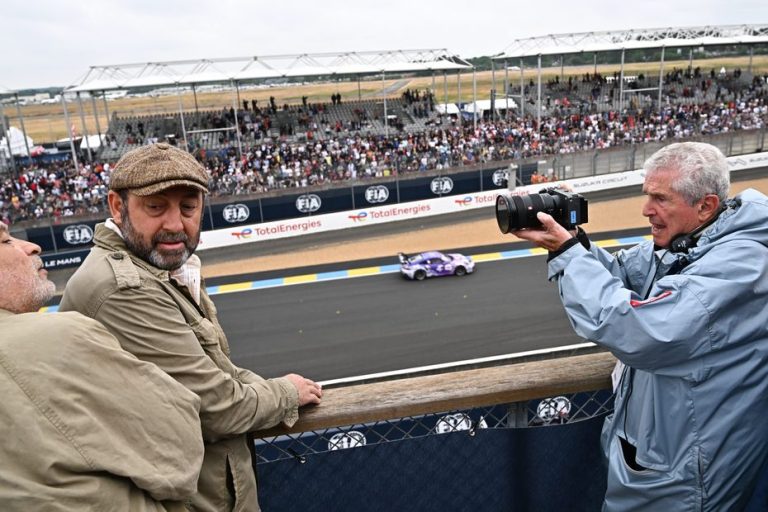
point(153, 168)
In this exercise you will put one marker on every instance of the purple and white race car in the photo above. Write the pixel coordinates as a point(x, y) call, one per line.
point(434, 263)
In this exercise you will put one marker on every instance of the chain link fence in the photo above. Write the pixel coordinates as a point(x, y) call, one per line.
point(536, 455)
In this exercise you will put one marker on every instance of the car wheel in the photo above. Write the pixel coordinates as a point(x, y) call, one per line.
point(420, 275)
point(460, 271)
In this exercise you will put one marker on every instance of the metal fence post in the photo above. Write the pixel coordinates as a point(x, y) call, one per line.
point(518, 415)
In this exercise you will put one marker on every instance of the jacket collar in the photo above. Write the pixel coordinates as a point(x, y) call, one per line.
point(108, 240)
point(5, 313)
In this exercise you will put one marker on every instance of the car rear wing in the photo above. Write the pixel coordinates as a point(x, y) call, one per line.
point(402, 257)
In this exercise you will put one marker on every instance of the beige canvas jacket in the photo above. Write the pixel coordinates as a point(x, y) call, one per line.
point(86, 425)
point(159, 322)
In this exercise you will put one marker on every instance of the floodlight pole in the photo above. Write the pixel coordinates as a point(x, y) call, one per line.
point(522, 90)
point(106, 108)
point(85, 129)
point(458, 89)
point(69, 131)
point(384, 93)
point(661, 78)
point(181, 116)
point(23, 130)
point(474, 99)
point(7, 135)
point(562, 67)
point(538, 101)
point(621, 83)
point(445, 91)
point(237, 125)
point(194, 93)
point(433, 83)
point(506, 89)
point(96, 117)
point(493, 90)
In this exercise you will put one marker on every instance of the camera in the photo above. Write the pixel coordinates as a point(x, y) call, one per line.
point(519, 212)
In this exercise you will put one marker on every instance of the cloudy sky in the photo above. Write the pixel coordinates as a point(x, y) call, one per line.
point(51, 43)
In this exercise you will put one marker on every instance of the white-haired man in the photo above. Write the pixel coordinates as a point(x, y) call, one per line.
point(686, 315)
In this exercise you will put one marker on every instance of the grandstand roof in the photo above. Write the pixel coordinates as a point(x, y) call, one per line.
point(247, 69)
point(635, 39)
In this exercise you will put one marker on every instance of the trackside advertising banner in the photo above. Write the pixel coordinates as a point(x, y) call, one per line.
point(389, 213)
point(426, 208)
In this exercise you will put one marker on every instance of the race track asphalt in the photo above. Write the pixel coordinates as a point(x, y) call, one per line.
point(356, 326)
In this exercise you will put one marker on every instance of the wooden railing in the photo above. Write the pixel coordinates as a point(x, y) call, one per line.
point(466, 389)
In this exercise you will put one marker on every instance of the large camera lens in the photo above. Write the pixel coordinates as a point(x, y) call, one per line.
point(519, 212)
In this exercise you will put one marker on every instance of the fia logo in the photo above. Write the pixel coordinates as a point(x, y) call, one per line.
point(344, 440)
point(441, 185)
point(308, 203)
point(236, 213)
point(78, 234)
point(500, 178)
point(376, 194)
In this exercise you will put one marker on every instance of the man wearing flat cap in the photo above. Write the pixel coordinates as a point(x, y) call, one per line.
point(86, 425)
point(142, 281)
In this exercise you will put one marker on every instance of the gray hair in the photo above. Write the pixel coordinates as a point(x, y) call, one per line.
point(701, 169)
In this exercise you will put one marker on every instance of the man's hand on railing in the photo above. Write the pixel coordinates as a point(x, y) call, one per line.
point(310, 392)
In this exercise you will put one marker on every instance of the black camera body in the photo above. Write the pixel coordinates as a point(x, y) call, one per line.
point(519, 212)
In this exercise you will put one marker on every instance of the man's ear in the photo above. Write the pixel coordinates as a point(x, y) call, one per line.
point(115, 206)
point(708, 207)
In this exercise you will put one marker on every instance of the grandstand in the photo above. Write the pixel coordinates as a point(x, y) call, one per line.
point(274, 147)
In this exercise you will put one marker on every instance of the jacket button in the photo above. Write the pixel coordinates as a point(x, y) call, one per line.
point(117, 255)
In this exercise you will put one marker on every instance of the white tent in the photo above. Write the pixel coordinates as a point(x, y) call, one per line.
point(449, 108)
point(481, 106)
point(92, 141)
point(18, 147)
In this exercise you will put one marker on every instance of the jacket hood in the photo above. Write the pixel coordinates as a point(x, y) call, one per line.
point(746, 218)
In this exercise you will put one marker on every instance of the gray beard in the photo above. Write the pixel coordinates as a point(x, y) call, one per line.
point(34, 291)
point(149, 253)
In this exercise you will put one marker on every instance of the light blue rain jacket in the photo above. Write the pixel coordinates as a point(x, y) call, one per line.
point(693, 399)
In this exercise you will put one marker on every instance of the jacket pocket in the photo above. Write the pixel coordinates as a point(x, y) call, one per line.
point(234, 485)
point(207, 335)
point(634, 487)
point(241, 483)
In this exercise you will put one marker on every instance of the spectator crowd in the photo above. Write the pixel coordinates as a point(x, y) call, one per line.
point(269, 163)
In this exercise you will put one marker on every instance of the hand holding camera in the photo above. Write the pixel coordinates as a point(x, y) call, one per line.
point(545, 218)
point(549, 236)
